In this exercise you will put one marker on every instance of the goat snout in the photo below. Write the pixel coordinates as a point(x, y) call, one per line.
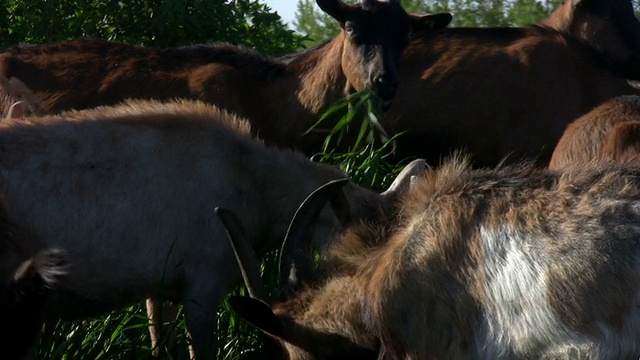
point(385, 88)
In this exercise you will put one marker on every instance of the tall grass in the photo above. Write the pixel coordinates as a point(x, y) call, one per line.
point(354, 141)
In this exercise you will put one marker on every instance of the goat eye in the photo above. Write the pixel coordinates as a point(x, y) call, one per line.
point(350, 30)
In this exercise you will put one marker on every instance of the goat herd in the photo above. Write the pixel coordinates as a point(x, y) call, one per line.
point(520, 250)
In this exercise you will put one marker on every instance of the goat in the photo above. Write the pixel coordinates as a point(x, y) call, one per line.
point(16, 99)
point(132, 188)
point(511, 263)
point(27, 273)
point(512, 91)
point(609, 27)
point(281, 97)
point(610, 132)
point(85, 73)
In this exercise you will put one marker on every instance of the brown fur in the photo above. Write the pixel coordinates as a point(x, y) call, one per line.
point(428, 289)
point(501, 92)
point(581, 286)
point(624, 142)
point(281, 97)
point(608, 133)
point(608, 26)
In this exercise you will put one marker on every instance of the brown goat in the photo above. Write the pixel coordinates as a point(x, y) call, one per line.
point(609, 27)
point(139, 181)
point(512, 263)
point(610, 132)
point(281, 97)
point(512, 91)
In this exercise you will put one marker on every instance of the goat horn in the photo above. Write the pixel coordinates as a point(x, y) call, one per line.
point(245, 255)
point(406, 179)
point(15, 110)
point(301, 227)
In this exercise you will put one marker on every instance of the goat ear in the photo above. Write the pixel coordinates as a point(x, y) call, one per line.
point(257, 313)
point(429, 22)
point(336, 9)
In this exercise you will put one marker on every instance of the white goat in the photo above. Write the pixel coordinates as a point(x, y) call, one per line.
point(129, 192)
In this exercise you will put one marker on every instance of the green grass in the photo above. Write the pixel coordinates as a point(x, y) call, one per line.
point(354, 142)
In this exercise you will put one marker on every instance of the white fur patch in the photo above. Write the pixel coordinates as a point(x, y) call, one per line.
point(519, 321)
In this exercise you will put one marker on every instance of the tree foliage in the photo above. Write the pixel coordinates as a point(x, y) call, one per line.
point(153, 23)
point(488, 12)
point(319, 27)
point(314, 23)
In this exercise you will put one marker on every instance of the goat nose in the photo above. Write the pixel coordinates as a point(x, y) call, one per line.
point(385, 85)
point(380, 80)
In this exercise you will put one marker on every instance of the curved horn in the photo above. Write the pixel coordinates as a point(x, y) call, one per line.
point(16, 110)
point(405, 179)
point(25, 102)
point(246, 257)
point(301, 229)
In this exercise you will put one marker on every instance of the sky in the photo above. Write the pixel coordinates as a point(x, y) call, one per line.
point(285, 8)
